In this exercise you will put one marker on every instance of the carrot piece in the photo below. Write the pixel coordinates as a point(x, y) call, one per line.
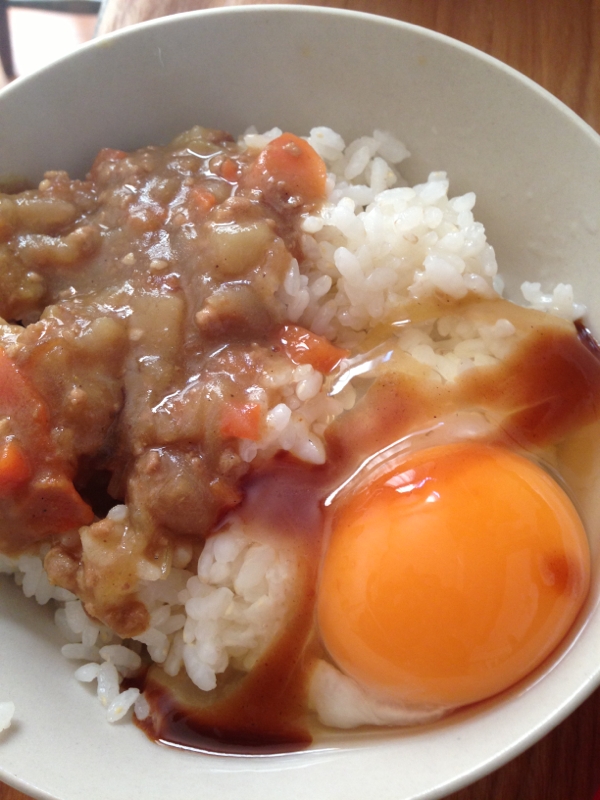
point(110, 154)
point(229, 170)
point(241, 421)
point(14, 467)
point(51, 504)
point(18, 396)
point(201, 200)
point(305, 347)
point(106, 155)
point(290, 167)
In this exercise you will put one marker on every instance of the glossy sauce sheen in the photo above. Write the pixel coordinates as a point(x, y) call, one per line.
point(265, 711)
point(288, 498)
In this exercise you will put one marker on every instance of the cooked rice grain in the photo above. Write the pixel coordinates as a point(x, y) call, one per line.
point(7, 711)
point(235, 605)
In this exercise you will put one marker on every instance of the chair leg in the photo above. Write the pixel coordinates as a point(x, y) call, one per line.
point(5, 46)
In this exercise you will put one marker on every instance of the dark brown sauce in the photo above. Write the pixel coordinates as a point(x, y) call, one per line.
point(586, 337)
point(545, 391)
point(265, 710)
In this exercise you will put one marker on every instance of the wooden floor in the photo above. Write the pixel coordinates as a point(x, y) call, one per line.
point(39, 37)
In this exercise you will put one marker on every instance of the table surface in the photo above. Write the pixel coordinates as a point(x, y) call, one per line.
point(552, 42)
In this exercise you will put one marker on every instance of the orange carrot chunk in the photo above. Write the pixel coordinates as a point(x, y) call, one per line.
point(201, 200)
point(18, 397)
point(229, 170)
point(53, 506)
point(51, 503)
point(241, 421)
point(106, 155)
point(305, 347)
point(291, 168)
point(14, 467)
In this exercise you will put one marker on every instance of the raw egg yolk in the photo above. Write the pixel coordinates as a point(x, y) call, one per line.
point(452, 576)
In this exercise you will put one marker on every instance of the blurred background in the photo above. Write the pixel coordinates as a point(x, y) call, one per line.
point(39, 37)
point(554, 42)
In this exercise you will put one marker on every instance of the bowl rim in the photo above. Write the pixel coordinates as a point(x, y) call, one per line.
point(570, 703)
point(294, 9)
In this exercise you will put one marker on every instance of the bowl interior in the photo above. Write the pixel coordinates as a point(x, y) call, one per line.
point(536, 170)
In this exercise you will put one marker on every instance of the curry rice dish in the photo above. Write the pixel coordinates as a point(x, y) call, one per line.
point(276, 447)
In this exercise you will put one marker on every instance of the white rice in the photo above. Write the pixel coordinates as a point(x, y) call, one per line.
point(226, 614)
point(451, 345)
point(559, 302)
point(235, 605)
point(7, 711)
point(296, 410)
point(384, 247)
point(374, 250)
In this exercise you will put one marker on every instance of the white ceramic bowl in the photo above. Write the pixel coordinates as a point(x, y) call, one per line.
point(536, 169)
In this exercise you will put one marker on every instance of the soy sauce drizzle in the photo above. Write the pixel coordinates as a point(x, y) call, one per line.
point(587, 338)
point(265, 710)
point(546, 390)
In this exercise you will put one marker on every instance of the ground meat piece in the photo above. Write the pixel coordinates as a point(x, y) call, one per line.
point(103, 569)
point(173, 490)
point(233, 310)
